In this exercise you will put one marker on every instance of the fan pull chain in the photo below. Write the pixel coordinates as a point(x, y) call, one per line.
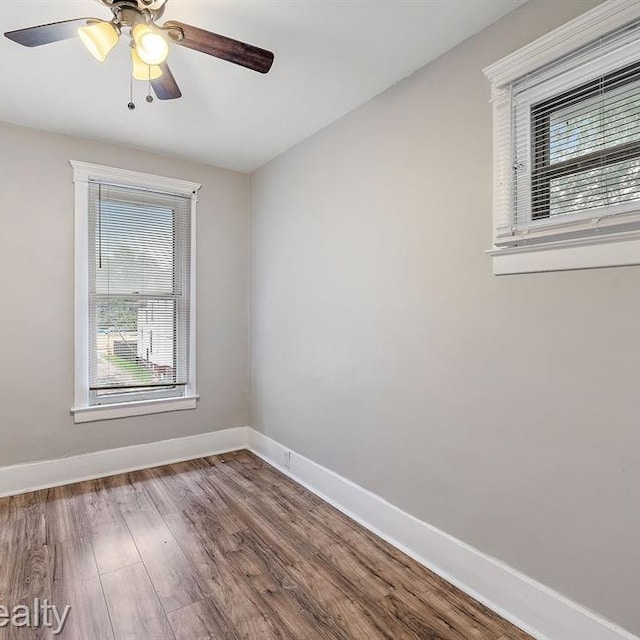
point(132, 104)
point(149, 97)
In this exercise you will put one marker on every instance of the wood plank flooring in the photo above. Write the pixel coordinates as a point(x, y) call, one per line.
point(223, 548)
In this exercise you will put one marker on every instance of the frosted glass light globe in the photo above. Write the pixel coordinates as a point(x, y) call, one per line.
point(152, 48)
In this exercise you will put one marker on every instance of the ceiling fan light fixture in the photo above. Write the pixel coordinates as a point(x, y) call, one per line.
point(143, 71)
point(137, 20)
point(151, 46)
point(99, 38)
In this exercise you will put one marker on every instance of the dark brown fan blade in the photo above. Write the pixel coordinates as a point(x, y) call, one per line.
point(246, 55)
point(165, 86)
point(46, 33)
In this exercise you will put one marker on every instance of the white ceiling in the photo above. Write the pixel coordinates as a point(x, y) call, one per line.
point(330, 57)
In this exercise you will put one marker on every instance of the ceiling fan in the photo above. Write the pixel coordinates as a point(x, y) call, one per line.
point(136, 19)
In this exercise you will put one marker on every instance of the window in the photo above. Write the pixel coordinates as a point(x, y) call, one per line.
point(586, 148)
point(567, 146)
point(135, 333)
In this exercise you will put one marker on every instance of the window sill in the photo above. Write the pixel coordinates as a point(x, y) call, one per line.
point(605, 250)
point(130, 409)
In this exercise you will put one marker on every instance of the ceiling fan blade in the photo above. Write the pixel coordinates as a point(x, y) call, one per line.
point(246, 55)
point(165, 86)
point(46, 33)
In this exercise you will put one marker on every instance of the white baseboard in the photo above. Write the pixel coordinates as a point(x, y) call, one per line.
point(539, 610)
point(22, 478)
point(535, 608)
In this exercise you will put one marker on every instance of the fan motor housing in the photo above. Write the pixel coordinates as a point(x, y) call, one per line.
point(154, 8)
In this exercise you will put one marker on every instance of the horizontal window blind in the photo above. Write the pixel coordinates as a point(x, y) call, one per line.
point(574, 143)
point(586, 146)
point(139, 288)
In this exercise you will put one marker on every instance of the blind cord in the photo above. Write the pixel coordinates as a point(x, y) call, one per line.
point(99, 226)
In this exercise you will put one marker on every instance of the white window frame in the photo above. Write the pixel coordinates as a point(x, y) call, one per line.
point(581, 241)
point(83, 174)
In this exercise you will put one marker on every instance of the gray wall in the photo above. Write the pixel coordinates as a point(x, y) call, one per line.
point(502, 410)
point(36, 315)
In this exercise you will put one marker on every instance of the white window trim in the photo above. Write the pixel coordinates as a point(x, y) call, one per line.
point(83, 174)
point(593, 250)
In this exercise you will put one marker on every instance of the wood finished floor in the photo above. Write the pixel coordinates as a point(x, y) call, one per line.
point(222, 547)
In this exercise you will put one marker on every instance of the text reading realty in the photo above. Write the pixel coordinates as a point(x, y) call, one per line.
point(40, 615)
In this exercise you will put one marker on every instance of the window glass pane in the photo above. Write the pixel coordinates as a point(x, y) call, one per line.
point(599, 123)
point(135, 342)
point(603, 186)
point(134, 249)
